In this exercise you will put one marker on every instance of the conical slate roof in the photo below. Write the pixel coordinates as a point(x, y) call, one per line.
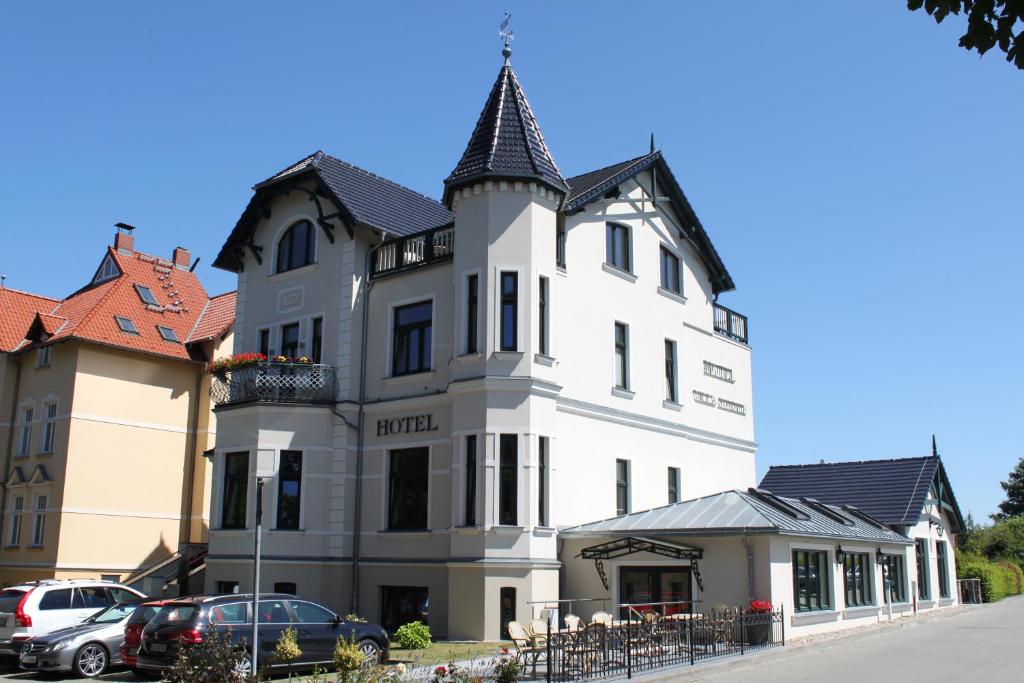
point(506, 143)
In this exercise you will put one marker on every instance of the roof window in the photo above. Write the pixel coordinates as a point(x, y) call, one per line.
point(823, 509)
point(168, 334)
point(108, 270)
point(779, 504)
point(146, 294)
point(126, 325)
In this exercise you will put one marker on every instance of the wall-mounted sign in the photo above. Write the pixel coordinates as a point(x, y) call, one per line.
point(406, 425)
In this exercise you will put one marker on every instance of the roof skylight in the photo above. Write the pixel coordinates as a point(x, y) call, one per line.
point(168, 334)
point(146, 294)
point(126, 324)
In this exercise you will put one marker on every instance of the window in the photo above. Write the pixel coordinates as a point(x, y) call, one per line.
point(542, 315)
point(402, 604)
point(108, 269)
point(923, 573)
point(943, 563)
point(232, 613)
point(506, 609)
point(295, 248)
point(647, 585)
point(265, 343)
point(671, 386)
point(17, 507)
point(168, 334)
point(472, 306)
point(118, 594)
point(227, 587)
point(621, 356)
point(273, 612)
point(27, 415)
point(509, 311)
point(49, 427)
point(413, 328)
point(307, 612)
point(471, 480)
point(810, 580)
point(43, 356)
point(894, 578)
point(39, 523)
point(56, 599)
point(673, 485)
point(290, 341)
point(316, 347)
point(617, 246)
point(236, 491)
point(542, 481)
point(289, 490)
point(126, 325)
point(621, 487)
point(508, 484)
point(146, 294)
point(560, 243)
point(408, 487)
point(287, 587)
point(90, 597)
point(669, 271)
point(857, 579)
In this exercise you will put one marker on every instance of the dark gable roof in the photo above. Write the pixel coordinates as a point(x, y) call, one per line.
point(587, 187)
point(365, 199)
point(506, 143)
point(892, 491)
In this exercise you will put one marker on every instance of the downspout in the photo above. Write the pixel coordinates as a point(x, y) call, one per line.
point(360, 421)
point(10, 442)
point(185, 531)
point(750, 566)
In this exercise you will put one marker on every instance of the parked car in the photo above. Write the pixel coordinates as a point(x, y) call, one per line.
point(38, 607)
point(188, 620)
point(142, 615)
point(88, 649)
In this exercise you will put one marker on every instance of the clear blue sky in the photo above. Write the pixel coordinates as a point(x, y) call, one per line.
point(859, 173)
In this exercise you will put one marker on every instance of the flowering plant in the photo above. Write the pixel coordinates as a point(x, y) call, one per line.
point(507, 667)
point(760, 607)
point(238, 360)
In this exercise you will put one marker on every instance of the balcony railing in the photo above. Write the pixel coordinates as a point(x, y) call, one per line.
point(414, 251)
point(731, 324)
point(274, 383)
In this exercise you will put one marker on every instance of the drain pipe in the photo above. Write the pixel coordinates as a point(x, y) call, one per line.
point(360, 420)
point(10, 440)
point(750, 566)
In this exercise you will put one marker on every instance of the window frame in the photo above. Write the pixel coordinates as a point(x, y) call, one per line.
point(316, 339)
point(126, 325)
point(241, 480)
point(674, 483)
point(823, 588)
point(922, 560)
point(471, 337)
point(942, 563)
point(39, 511)
point(667, 257)
point(469, 480)
point(621, 355)
point(671, 372)
point(310, 247)
point(508, 480)
point(543, 313)
point(612, 231)
point(392, 523)
point(44, 356)
point(543, 485)
point(561, 238)
point(15, 526)
point(282, 480)
point(28, 414)
point(49, 427)
point(151, 300)
point(425, 349)
point(895, 590)
point(622, 492)
point(508, 330)
point(858, 592)
point(168, 334)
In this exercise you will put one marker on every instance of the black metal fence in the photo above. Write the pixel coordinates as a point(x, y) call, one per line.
point(623, 648)
point(274, 383)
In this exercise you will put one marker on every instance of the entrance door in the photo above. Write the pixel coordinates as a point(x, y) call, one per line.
point(652, 585)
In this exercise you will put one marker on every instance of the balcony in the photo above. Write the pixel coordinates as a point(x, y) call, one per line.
point(414, 251)
point(730, 324)
point(274, 383)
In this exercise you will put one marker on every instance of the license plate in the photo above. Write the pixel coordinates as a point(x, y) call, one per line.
point(158, 647)
point(29, 659)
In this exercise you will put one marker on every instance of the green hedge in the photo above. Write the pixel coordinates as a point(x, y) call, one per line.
point(998, 579)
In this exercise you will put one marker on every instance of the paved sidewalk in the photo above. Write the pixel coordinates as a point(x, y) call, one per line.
point(982, 643)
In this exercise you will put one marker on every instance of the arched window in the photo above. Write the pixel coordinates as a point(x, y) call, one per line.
point(295, 249)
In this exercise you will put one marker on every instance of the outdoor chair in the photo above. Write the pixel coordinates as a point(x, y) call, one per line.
point(539, 630)
point(573, 622)
point(602, 618)
point(586, 651)
point(526, 648)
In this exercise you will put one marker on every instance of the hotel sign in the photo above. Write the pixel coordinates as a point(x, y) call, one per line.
point(406, 425)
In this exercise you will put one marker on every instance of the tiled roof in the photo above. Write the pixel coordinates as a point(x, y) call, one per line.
point(17, 311)
point(603, 179)
point(737, 512)
point(892, 491)
point(506, 143)
point(216, 319)
point(89, 314)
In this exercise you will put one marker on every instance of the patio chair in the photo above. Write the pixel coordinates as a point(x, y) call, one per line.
point(526, 648)
point(539, 630)
point(602, 618)
point(573, 622)
point(587, 650)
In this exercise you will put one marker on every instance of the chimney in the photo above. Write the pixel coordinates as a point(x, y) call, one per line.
point(181, 257)
point(124, 241)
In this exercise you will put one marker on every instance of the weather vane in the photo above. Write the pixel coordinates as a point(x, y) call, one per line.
point(507, 35)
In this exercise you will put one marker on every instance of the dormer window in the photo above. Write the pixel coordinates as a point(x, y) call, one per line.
point(108, 270)
point(296, 246)
point(168, 334)
point(126, 325)
point(146, 294)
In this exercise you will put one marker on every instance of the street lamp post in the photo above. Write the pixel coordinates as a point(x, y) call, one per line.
point(256, 579)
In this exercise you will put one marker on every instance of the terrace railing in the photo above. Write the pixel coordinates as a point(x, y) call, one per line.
point(274, 383)
point(730, 324)
point(414, 251)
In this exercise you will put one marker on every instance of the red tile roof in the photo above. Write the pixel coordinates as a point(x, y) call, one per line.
point(17, 311)
point(89, 314)
point(216, 319)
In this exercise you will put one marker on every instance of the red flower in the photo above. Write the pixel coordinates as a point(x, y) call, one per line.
point(504, 650)
point(760, 606)
point(440, 671)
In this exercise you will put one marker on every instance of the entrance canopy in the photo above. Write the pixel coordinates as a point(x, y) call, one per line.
point(621, 547)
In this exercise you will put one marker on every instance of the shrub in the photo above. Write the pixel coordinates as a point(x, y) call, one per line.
point(287, 649)
point(1013, 577)
point(215, 658)
point(991, 576)
point(347, 658)
point(507, 667)
point(413, 636)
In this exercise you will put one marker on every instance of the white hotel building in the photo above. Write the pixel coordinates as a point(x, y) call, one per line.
point(530, 354)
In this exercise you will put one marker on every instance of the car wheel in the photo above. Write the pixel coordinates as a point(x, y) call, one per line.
point(370, 651)
point(91, 660)
point(242, 670)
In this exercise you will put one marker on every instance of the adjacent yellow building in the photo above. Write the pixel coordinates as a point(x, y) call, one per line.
point(104, 417)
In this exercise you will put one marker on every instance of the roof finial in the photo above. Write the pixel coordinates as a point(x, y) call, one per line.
point(652, 141)
point(935, 450)
point(507, 35)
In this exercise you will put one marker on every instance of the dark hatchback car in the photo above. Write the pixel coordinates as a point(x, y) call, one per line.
point(317, 628)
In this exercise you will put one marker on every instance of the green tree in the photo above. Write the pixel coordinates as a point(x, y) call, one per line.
point(990, 23)
point(1013, 506)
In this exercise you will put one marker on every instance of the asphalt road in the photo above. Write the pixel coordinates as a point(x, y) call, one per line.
point(975, 644)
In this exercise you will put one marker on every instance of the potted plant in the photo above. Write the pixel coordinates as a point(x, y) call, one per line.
point(758, 622)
